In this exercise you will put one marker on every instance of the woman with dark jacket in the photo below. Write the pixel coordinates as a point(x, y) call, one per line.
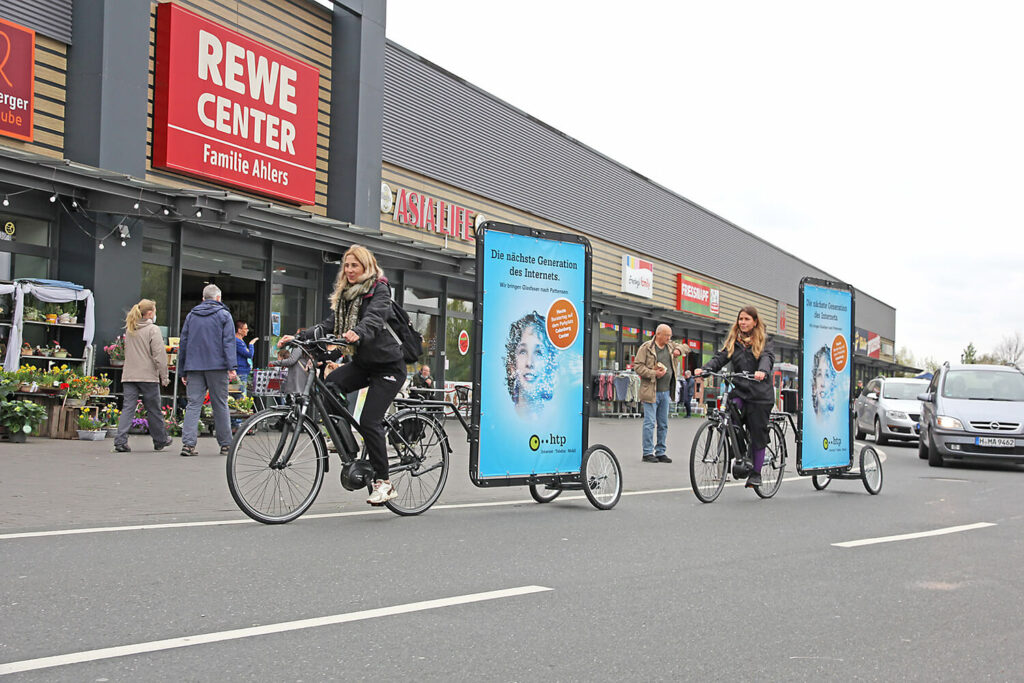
point(360, 309)
point(748, 349)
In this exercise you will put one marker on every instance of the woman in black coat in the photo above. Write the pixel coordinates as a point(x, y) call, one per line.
point(360, 309)
point(748, 349)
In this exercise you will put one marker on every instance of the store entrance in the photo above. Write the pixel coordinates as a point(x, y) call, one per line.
point(243, 297)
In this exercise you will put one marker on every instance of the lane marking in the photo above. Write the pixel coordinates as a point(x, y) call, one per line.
point(322, 515)
point(203, 638)
point(907, 537)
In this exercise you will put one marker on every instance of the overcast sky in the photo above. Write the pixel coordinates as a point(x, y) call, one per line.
point(880, 141)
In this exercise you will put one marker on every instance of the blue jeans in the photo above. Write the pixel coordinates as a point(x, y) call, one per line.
point(656, 411)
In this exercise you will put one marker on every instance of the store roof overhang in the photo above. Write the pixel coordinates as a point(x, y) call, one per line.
point(880, 364)
point(112, 193)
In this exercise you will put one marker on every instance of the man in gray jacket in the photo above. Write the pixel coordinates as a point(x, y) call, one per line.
point(206, 362)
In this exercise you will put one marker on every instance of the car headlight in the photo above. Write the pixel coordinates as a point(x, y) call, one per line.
point(897, 415)
point(948, 422)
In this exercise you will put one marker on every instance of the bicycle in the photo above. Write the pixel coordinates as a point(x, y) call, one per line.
point(277, 461)
point(720, 441)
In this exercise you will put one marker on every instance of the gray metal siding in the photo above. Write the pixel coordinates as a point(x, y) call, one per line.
point(52, 18)
point(440, 126)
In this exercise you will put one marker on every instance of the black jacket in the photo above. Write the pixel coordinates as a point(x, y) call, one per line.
point(743, 360)
point(376, 344)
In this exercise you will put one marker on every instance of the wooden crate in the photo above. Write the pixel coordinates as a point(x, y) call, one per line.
point(64, 421)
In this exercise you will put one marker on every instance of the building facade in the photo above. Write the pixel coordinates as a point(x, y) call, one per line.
point(250, 143)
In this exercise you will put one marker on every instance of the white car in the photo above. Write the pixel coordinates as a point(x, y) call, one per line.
point(889, 408)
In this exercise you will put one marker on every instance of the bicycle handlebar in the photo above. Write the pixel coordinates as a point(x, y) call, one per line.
point(729, 376)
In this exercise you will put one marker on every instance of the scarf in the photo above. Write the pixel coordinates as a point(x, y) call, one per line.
point(346, 315)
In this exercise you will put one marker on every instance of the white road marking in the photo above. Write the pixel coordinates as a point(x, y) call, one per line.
point(907, 537)
point(200, 639)
point(323, 515)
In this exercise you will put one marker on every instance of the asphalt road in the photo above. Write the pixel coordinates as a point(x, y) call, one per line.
point(660, 588)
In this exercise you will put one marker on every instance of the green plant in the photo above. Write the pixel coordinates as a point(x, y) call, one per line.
point(86, 422)
point(110, 415)
point(9, 383)
point(21, 416)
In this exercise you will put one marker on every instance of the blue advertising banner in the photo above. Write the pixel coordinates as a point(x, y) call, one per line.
point(826, 371)
point(532, 347)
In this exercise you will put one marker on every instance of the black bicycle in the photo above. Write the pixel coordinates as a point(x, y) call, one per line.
point(720, 446)
point(279, 456)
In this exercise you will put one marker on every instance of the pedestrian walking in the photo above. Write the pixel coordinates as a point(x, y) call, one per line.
point(144, 372)
point(244, 352)
point(207, 361)
point(654, 363)
point(687, 391)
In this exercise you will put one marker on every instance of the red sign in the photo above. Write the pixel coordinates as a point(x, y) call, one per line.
point(463, 342)
point(233, 110)
point(433, 215)
point(17, 80)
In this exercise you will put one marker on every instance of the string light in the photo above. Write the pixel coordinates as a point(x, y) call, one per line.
point(101, 245)
point(7, 202)
point(167, 212)
point(123, 243)
point(199, 214)
point(135, 206)
point(53, 198)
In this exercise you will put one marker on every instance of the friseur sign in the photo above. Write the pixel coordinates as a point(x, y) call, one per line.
point(232, 110)
point(17, 80)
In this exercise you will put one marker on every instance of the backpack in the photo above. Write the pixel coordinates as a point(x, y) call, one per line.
point(408, 338)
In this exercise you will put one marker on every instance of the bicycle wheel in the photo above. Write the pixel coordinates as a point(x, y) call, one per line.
point(871, 470)
point(602, 477)
point(275, 495)
point(542, 494)
point(418, 459)
point(774, 464)
point(709, 462)
point(821, 481)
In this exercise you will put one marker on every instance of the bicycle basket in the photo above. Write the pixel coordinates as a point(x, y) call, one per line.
point(268, 381)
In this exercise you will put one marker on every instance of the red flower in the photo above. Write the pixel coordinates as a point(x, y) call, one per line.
point(65, 385)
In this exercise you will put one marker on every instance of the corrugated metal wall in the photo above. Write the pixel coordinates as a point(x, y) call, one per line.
point(49, 17)
point(442, 127)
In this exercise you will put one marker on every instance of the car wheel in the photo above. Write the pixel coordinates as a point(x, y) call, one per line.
point(880, 438)
point(922, 446)
point(934, 458)
point(860, 432)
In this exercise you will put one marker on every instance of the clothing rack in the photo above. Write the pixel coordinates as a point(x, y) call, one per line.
point(617, 393)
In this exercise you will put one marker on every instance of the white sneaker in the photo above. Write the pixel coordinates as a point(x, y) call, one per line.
point(383, 491)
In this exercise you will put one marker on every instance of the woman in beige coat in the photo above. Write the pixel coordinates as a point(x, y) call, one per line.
point(145, 370)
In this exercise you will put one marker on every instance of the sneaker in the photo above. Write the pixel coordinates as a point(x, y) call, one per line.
point(224, 450)
point(383, 491)
point(649, 458)
point(161, 446)
point(189, 450)
point(664, 458)
point(754, 479)
point(125, 448)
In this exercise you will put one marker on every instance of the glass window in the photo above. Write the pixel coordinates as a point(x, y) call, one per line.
point(13, 266)
point(425, 324)
point(460, 365)
point(421, 298)
point(223, 262)
point(157, 248)
point(26, 231)
point(606, 356)
point(460, 308)
point(290, 270)
point(295, 305)
point(609, 332)
point(156, 285)
point(630, 334)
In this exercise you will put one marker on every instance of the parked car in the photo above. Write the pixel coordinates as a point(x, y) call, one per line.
point(973, 412)
point(888, 408)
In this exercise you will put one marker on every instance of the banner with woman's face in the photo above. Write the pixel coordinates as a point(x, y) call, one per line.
point(533, 310)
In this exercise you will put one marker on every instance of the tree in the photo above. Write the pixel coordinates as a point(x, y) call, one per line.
point(930, 364)
point(1011, 349)
point(969, 354)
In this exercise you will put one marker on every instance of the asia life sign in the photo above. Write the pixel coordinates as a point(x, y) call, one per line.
point(696, 296)
point(230, 109)
point(637, 276)
point(428, 213)
point(17, 80)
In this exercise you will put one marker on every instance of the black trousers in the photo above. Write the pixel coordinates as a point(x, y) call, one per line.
point(384, 383)
point(755, 417)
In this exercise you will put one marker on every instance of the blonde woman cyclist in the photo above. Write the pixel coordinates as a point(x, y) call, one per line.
point(748, 349)
point(360, 309)
point(145, 371)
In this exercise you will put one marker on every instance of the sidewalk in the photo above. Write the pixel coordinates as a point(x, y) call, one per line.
point(54, 484)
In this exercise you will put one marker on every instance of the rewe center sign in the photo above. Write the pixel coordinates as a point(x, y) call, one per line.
point(232, 110)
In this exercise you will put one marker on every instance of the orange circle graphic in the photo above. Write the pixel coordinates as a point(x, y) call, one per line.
point(840, 353)
point(563, 323)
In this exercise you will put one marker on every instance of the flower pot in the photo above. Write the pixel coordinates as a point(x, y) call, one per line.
point(101, 391)
point(85, 435)
point(61, 354)
point(74, 403)
point(51, 318)
point(16, 437)
point(64, 318)
point(116, 363)
point(73, 319)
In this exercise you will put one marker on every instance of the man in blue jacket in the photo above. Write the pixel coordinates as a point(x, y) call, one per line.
point(206, 362)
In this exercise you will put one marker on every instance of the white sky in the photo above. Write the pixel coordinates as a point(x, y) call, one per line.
point(880, 141)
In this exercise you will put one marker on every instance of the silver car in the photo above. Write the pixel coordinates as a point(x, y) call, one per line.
point(973, 412)
point(888, 408)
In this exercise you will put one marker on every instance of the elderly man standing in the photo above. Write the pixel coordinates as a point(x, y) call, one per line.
point(654, 363)
point(206, 361)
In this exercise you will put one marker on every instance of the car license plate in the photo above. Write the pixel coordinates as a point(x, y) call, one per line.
point(992, 441)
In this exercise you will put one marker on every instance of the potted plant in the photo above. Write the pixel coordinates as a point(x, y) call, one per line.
point(19, 418)
point(89, 428)
point(58, 351)
point(78, 389)
point(116, 352)
point(102, 385)
point(9, 383)
point(110, 416)
point(171, 421)
point(140, 425)
point(30, 377)
point(51, 312)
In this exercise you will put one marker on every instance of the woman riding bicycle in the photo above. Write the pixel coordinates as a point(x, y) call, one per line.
point(748, 349)
point(360, 308)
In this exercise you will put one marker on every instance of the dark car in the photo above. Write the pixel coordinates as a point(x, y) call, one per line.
point(973, 412)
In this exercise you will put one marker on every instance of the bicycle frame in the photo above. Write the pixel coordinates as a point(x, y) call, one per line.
point(728, 419)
